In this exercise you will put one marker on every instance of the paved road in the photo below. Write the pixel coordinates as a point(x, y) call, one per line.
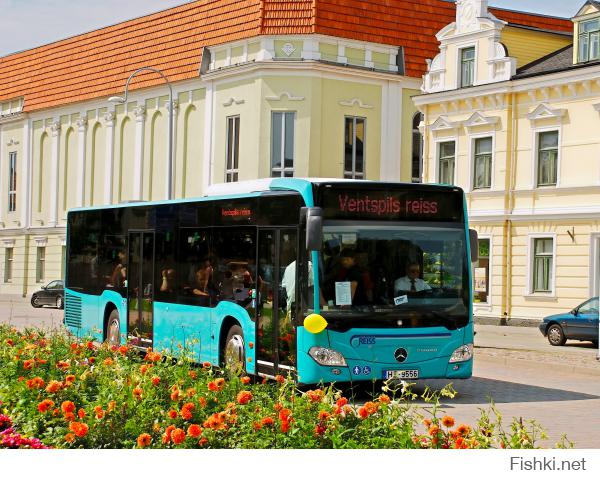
point(557, 386)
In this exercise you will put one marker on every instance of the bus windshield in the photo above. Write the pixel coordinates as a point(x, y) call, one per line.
point(409, 275)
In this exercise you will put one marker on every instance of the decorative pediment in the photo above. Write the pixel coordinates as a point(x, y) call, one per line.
point(355, 102)
point(443, 123)
point(232, 100)
point(588, 8)
point(283, 94)
point(544, 112)
point(478, 119)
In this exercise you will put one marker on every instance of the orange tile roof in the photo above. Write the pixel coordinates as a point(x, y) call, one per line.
point(97, 64)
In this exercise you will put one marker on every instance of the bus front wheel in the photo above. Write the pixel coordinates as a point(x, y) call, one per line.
point(113, 329)
point(234, 352)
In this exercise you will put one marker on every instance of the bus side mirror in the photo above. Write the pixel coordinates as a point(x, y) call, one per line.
point(474, 244)
point(314, 229)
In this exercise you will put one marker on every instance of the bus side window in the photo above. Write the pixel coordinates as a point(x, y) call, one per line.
point(165, 268)
point(194, 267)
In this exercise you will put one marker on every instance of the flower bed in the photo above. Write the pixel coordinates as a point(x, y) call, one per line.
point(78, 395)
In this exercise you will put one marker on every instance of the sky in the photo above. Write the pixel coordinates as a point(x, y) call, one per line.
point(29, 23)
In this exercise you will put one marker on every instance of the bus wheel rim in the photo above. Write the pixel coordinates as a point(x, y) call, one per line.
point(234, 352)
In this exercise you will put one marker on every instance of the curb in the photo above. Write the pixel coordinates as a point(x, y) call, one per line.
point(511, 362)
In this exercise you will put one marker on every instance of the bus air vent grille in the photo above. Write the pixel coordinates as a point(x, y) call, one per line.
point(73, 311)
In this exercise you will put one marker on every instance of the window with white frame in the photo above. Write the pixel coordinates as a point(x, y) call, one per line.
point(417, 149)
point(40, 264)
point(467, 67)
point(282, 143)
point(481, 272)
point(8, 264)
point(446, 160)
point(12, 181)
point(542, 265)
point(482, 163)
point(589, 40)
point(233, 145)
point(547, 158)
point(354, 147)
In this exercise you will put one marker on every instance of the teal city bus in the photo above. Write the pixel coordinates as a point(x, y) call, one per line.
point(324, 280)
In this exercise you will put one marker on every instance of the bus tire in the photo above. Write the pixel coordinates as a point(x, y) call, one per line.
point(234, 350)
point(113, 329)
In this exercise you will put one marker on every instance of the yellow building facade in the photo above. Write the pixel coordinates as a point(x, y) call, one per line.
point(524, 145)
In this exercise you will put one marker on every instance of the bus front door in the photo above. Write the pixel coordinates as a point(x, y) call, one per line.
point(140, 288)
point(275, 332)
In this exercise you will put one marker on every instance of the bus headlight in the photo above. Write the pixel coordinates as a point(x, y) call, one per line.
point(326, 356)
point(464, 353)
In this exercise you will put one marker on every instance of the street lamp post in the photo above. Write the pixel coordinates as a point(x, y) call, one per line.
point(123, 99)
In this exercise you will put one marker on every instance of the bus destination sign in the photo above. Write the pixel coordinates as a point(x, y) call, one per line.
point(392, 205)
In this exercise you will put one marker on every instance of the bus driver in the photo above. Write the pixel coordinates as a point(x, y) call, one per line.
point(412, 282)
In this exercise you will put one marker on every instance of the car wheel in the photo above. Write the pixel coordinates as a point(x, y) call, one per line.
point(556, 336)
point(113, 329)
point(59, 302)
point(234, 352)
point(35, 301)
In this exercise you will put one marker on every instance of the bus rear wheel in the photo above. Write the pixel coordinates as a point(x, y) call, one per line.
point(234, 351)
point(113, 329)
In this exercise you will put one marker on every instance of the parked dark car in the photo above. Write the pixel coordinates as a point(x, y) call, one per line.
point(53, 294)
point(580, 323)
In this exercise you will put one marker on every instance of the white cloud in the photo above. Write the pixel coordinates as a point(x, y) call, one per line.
point(29, 23)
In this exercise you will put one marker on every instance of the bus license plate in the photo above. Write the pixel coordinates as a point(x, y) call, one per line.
point(402, 374)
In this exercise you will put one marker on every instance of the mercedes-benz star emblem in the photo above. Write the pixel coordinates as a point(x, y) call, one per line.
point(400, 354)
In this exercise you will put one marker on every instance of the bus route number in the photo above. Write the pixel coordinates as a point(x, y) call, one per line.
point(366, 340)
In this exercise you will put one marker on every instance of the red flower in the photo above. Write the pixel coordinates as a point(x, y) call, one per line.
point(155, 380)
point(81, 413)
point(341, 402)
point(206, 365)
point(144, 440)
point(284, 414)
point(175, 394)
point(192, 374)
point(10, 342)
point(285, 426)
point(267, 421)
point(212, 386)
point(70, 379)
point(320, 429)
point(384, 399)
point(178, 436)
point(194, 430)
point(45, 405)
point(280, 379)
point(123, 350)
point(28, 364)
point(152, 356)
point(244, 397)
point(463, 430)
point(324, 415)
point(90, 345)
point(67, 407)
point(245, 380)
point(167, 435)
point(79, 428)
point(187, 410)
point(202, 401)
point(137, 393)
point(220, 382)
point(315, 396)
point(448, 421)
point(172, 414)
point(37, 383)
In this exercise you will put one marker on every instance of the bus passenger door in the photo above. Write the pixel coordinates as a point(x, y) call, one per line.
point(140, 288)
point(275, 331)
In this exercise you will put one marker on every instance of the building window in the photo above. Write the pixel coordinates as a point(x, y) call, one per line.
point(233, 146)
point(447, 151)
point(547, 156)
point(8, 265)
point(282, 143)
point(467, 66)
point(354, 148)
point(12, 181)
point(40, 264)
point(589, 40)
point(417, 149)
point(543, 258)
point(481, 273)
point(482, 177)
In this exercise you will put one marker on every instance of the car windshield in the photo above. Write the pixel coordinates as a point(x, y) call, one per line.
point(410, 275)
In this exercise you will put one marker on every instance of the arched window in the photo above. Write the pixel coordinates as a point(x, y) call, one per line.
point(417, 149)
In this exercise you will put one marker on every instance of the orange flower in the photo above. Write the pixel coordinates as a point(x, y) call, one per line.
point(192, 374)
point(285, 426)
point(79, 428)
point(144, 440)
point(433, 430)
point(220, 382)
point(448, 421)
point(187, 410)
point(70, 437)
point(155, 380)
point(202, 401)
point(324, 415)
point(284, 414)
point(108, 362)
point(137, 393)
point(53, 386)
point(320, 429)
point(367, 410)
point(212, 386)
point(167, 435)
point(36, 382)
point(244, 397)
point(143, 368)
point(175, 394)
point(194, 430)
point(172, 414)
point(90, 345)
point(315, 396)
point(191, 392)
point(267, 421)
point(341, 402)
point(28, 364)
point(123, 350)
point(152, 356)
point(280, 379)
point(70, 379)
point(216, 421)
point(178, 436)
point(384, 399)
point(202, 442)
point(99, 412)
point(111, 406)
point(67, 407)
point(463, 429)
point(45, 405)
point(69, 416)
point(10, 342)
point(206, 365)
point(245, 380)
point(427, 423)
point(81, 413)
point(62, 365)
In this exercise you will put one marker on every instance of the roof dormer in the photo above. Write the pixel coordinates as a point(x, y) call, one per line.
point(470, 50)
point(587, 33)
